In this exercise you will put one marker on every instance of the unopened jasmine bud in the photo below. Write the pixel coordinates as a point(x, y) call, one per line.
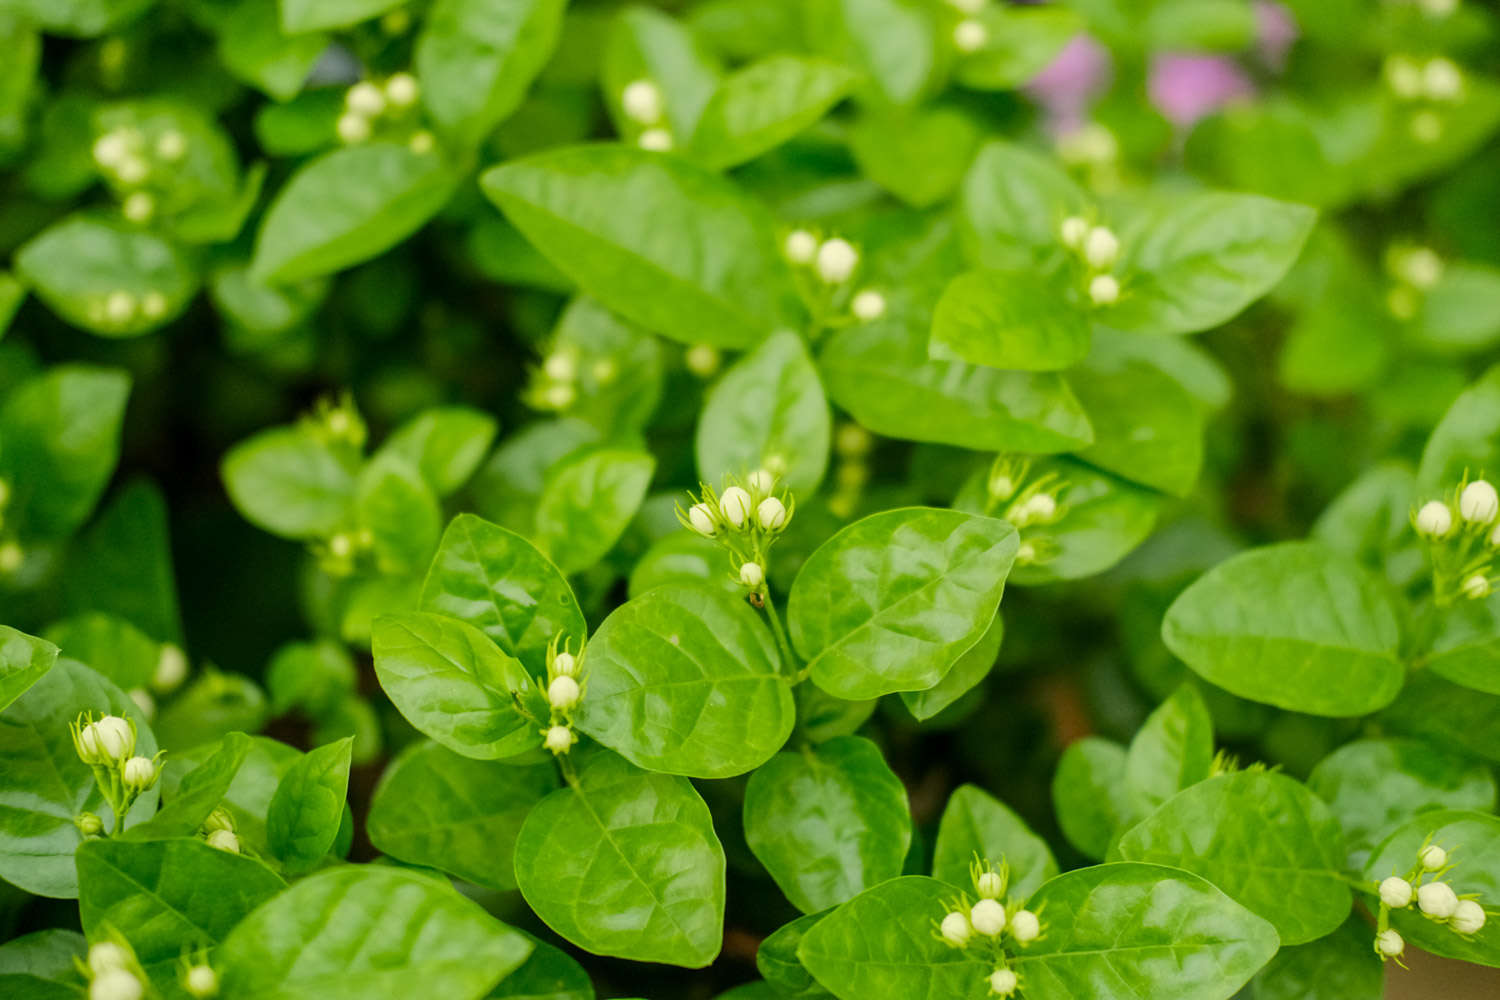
point(868, 305)
point(365, 99)
point(955, 929)
point(1025, 554)
point(1003, 982)
point(1074, 230)
point(138, 207)
point(800, 247)
point(1442, 80)
point(852, 440)
point(1478, 503)
point(144, 702)
point(752, 574)
point(396, 22)
point(701, 517)
point(1434, 520)
point(119, 306)
point(1396, 892)
point(224, 840)
point(641, 101)
point(987, 917)
point(341, 546)
point(562, 693)
point(761, 480)
point(734, 504)
point(171, 145)
point(1437, 900)
point(1420, 267)
point(989, 885)
point(106, 955)
point(702, 360)
point(564, 665)
point(1025, 927)
point(201, 982)
point(352, 129)
point(1101, 248)
point(1476, 587)
point(1403, 76)
point(116, 737)
point(771, 514)
point(837, 260)
point(1389, 944)
point(604, 371)
point(422, 142)
point(1038, 508)
point(560, 395)
point(1468, 917)
point(559, 739)
point(560, 365)
point(132, 170)
point(219, 819)
point(153, 305)
point(401, 90)
point(970, 35)
point(138, 773)
point(11, 557)
point(116, 984)
point(111, 149)
point(89, 824)
point(1104, 290)
point(1432, 858)
point(171, 668)
point(657, 140)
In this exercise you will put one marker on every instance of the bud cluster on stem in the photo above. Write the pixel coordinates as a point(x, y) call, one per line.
point(107, 746)
point(565, 690)
point(1425, 889)
point(990, 924)
point(367, 104)
point(1462, 536)
point(1098, 248)
point(112, 971)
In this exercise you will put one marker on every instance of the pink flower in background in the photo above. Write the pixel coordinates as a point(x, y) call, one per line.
point(1186, 87)
point(1275, 32)
point(1071, 81)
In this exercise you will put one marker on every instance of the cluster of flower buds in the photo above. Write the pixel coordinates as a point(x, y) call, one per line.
point(1434, 898)
point(1099, 249)
point(554, 384)
point(366, 103)
point(970, 33)
point(851, 446)
point(990, 923)
point(1027, 503)
point(746, 519)
point(1092, 149)
point(336, 422)
point(118, 309)
point(108, 747)
point(112, 971)
point(832, 262)
point(128, 158)
point(218, 831)
point(1414, 270)
point(1462, 536)
point(564, 691)
point(1425, 85)
point(645, 110)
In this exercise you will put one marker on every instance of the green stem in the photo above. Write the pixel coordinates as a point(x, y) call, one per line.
point(789, 660)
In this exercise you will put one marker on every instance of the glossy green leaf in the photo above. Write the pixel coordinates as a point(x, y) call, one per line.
point(894, 42)
point(1341, 966)
point(1466, 645)
point(317, 15)
point(685, 679)
point(1020, 44)
point(357, 932)
point(685, 557)
point(1466, 439)
point(289, 482)
point(199, 793)
point(967, 673)
point(1089, 794)
point(975, 823)
point(308, 806)
point(1295, 625)
point(250, 789)
point(128, 551)
point(593, 211)
point(313, 676)
point(1008, 319)
point(24, 660)
point(445, 444)
point(109, 645)
point(828, 821)
point(891, 602)
point(644, 43)
point(1172, 750)
point(437, 808)
point(625, 863)
point(777, 960)
point(1013, 204)
point(42, 966)
point(920, 155)
point(547, 974)
point(587, 504)
point(764, 104)
point(395, 504)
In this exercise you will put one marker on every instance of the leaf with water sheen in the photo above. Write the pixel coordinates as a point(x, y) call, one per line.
point(977, 823)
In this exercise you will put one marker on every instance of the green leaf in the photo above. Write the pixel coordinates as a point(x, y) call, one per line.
point(24, 660)
point(1205, 257)
point(919, 155)
point(547, 974)
point(1264, 839)
point(477, 58)
point(596, 211)
point(128, 554)
point(47, 785)
point(618, 366)
point(298, 16)
point(1295, 625)
point(394, 503)
point(1154, 931)
point(1021, 43)
point(891, 602)
point(966, 674)
point(166, 895)
point(359, 932)
point(1341, 966)
point(1467, 438)
point(768, 411)
point(893, 42)
point(777, 960)
point(198, 794)
point(1374, 785)
point(1466, 645)
point(625, 863)
point(289, 482)
point(42, 965)
point(61, 434)
point(764, 104)
point(348, 206)
point(253, 48)
point(685, 557)
point(1008, 319)
point(12, 294)
point(107, 277)
point(214, 704)
point(587, 503)
point(250, 788)
point(109, 645)
point(445, 444)
point(828, 821)
point(1461, 313)
point(313, 676)
point(977, 823)
point(1013, 204)
point(1089, 794)
point(308, 806)
point(686, 680)
point(437, 808)
point(1476, 836)
point(454, 684)
point(1172, 750)
point(497, 581)
point(648, 44)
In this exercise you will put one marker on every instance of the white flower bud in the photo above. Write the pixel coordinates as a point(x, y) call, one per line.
point(341, 546)
point(116, 737)
point(955, 929)
point(761, 480)
point(1102, 248)
point(1403, 76)
point(1420, 267)
point(561, 366)
point(138, 773)
point(202, 982)
point(771, 514)
point(701, 517)
point(1025, 554)
point(401, 91)
point(1478, 503)
point(1437, 900)
point(119, 306)
point(365, 99)
point(1476, 587)
point(988, 917)
point(89, 824)
point(562, 693)
point(800, 247)
point(1003, 982)
point(107, 955)
point(752, 574)
point(559, 739)
point(1025, 927)
point(116, 984)
point(1434, 520)
point(171, 668)
point(144, 702)
point(868, 305)
point(734, 504)
point(1396, 892)
point(1039, 508)
point(837, 260)
point(564, 665)
point(422, 142)
point(88, 746)
point(224, 840)
point(138, 207)
point(219, 819)
point(702, 360)
point(171, 145)
point(11, 557)
point(657, 140)
point(970, 35)
point(1468, 917)
point(1442, 80)
point(352, 129)
point(132, 170)
point(1389, 943)
point(989, 885)
point(1075, 229)
point(111, 149)
point(641, 101)
point(153, 305)
point(1432, 857)
point(852, 440)
point(1104, 290)
point(560, 395)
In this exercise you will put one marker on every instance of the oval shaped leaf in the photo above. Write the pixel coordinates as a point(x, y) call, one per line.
point(309, 804)
point(977, 823)
point(1008, 319)
point(587, 503)
point(290, 483)
point(761, 106)
point(1089, 794)
point(1173, 749)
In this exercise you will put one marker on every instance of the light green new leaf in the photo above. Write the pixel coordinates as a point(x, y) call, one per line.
point(455, 685)
point(364, 931)
point(437, 808)
point(1341, 966)
point(1467, 439)
point(649, 44)
point(1008, 319)
point(24, 660)
point(167, 895)
point(1013, 203)
point(828, 821)
point(1264, 839)
point(587, 504)
point(198, 794)
point(1089, 794)
point(289, 482)
point(768, 411)
point(445, 444)
point(498, 582)
point(549, 973)
point(625, 863)
point(109, 645)
point(892, 601)
point(761, 106)
point(598, 212)
point(477, 58)
point(920, 155)
point(1465, 646)
point(347, 206)
point(1172, 750)
point(253, 48)
point(684, 679)
point(298, 16)
point(395, 504)
point(309, 804)
point(977, 823)
point(1296, 625)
